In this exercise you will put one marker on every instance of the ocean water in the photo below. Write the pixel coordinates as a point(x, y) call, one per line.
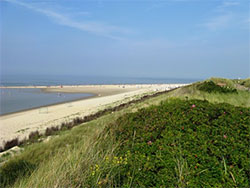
point(14, 100)
point(48, 80)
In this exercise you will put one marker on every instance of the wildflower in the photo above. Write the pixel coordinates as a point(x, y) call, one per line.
point(150, 142)
point(225, 136)
point(224, 112)
point(193, 106)
point(195, 156)
point(182, 127)
point(241, 112)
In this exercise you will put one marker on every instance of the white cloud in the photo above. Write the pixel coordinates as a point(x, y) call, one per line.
point(226, 5)
point(218, 22)
point(97, 28)
point(230, 3)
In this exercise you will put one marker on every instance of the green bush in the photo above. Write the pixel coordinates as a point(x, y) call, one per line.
point(210, 86)
point(181, 144)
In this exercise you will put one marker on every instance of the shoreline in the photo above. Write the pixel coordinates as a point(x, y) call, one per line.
point(67, 86)
point(21, 124)
point(50, 105)
point(83, 85)
point(95, 91)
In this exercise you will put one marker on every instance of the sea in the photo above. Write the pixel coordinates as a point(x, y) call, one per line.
point(15, 100)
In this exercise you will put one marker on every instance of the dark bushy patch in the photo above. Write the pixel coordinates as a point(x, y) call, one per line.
point(184, 144)
point(211, 87)
point(51, 130)
point(34, 136)
point(11, 143)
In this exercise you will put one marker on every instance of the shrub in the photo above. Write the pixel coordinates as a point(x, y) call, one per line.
point(34, 136)
point(11, 143)
point(210, 86)
point(51, 130)
point(182, 144)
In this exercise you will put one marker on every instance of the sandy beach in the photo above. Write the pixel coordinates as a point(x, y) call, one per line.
point(21, 124)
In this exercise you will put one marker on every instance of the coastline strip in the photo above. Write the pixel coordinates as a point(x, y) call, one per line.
point(20, 125)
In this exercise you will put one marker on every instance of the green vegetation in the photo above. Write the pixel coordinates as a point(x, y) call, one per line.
point(236, 83)
point(182, 143)
point(227, 82)
point(178, 142)
point(245, 82)
point(211, 87)
point(239, 98)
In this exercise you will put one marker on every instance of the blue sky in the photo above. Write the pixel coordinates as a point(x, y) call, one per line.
point(141, 38)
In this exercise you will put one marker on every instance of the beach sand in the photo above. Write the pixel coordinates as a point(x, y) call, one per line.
point(21, 124)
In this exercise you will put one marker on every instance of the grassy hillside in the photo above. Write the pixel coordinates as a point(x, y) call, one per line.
point(177, 142)
point(225, 94)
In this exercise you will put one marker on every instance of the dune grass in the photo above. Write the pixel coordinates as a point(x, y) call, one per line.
point(241, 98)
point(244, 82)
point(77, 157)
point(228, 82)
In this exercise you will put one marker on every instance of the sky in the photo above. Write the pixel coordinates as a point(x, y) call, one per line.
point(129, 38)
